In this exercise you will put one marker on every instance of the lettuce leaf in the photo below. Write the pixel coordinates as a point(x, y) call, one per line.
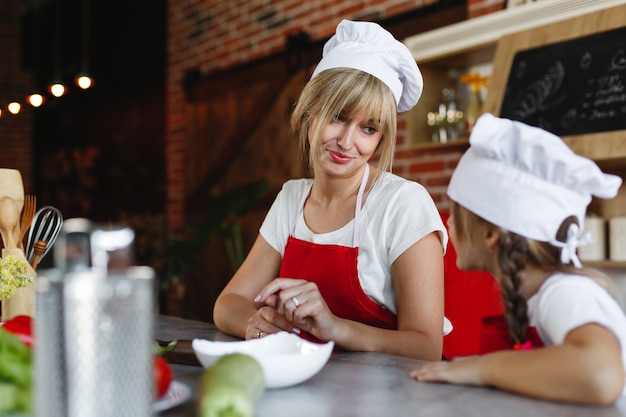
point(16, 374)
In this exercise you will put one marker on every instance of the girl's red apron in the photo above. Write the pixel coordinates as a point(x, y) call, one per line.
point(334, 268)
point(494, 336)
point(473, 303)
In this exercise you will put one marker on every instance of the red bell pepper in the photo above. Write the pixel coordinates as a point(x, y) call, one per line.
point(21, 326)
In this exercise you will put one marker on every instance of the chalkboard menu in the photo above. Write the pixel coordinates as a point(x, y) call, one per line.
point(572, 87)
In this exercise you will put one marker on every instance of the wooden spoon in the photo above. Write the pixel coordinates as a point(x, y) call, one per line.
point(9, 222)
point(11, 185)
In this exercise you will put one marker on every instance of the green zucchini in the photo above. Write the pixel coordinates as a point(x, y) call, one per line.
point(231, 387)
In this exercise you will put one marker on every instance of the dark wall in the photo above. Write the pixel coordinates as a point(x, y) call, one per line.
point(99, 153)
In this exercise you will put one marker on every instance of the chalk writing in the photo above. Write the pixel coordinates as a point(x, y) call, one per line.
point(572, 87)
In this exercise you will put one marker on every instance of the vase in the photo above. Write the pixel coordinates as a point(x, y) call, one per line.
point(474, 110)
point(23, 301)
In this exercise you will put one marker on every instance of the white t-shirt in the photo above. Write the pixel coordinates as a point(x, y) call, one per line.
point(396, 214)
point(565, 302)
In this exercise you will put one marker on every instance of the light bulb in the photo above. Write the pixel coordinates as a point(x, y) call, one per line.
point(35, 99)
point(84, 81)
point(14, 107)
point(57, 89)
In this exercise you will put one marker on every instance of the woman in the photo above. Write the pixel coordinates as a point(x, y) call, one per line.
point(519, 197)
point(355, 255)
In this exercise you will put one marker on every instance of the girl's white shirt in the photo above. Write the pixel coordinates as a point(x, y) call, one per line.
point(396, 214)
point(565, 302)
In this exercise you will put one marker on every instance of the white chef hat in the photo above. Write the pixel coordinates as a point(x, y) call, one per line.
point(368, 47)
point(527, 180)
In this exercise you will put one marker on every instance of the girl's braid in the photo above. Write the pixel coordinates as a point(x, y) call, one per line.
point(513, 255)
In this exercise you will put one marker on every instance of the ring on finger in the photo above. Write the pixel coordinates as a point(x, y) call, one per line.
point(295, 302)
point(259, 334)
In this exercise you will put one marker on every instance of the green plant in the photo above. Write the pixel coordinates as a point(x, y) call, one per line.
point(221, 218)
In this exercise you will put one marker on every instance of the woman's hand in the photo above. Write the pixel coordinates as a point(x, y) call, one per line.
point(268, 321)
point(300, 303)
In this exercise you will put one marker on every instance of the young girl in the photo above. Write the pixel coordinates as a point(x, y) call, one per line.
point(354, 254)
point(519, 197)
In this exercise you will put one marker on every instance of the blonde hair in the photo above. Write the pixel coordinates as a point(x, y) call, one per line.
point(514, 253)
point(346, 92)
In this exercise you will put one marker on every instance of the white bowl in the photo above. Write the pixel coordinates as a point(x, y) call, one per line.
point(286, 359)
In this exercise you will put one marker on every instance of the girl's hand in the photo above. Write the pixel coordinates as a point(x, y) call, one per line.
point(462, 371)
point(301, 303)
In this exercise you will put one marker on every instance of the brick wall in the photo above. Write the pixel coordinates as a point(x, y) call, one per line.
point(477, 8)
point(214, 35)
point(15, 130)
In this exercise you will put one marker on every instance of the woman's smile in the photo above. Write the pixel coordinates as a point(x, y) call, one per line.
point(340, 157)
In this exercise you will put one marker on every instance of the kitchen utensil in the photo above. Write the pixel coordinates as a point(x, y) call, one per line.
point(96, 326)
point(11, 185)
point(50, 378)
point(40, 248)
point(28, 213)
point(9, 221)
point(45, 227)
point(83, 244)
point(108, 338)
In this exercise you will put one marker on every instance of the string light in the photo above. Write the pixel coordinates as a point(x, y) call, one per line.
point(14, 107)
point(35, 99)
point(57, 89)
point(84, 81)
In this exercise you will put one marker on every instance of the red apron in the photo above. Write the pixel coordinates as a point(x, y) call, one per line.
point(334, 268)
point(494, 336)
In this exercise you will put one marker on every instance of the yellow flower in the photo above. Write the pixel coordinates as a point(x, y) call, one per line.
point(13, 275)
point(475, 80)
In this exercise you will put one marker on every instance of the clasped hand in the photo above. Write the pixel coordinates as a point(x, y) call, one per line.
point(291, 305)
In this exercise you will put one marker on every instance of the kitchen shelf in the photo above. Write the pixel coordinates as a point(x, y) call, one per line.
point(475, 34)
point(492, 40)
point(605, 264)
point(446, 53)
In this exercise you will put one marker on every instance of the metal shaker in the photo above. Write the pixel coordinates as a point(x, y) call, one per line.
point(49, 354)
point(104, 334)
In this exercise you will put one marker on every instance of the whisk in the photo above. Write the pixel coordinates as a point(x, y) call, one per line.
point(45, 228)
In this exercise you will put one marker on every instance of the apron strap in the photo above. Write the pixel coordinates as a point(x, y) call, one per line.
point(357, 208)
point(359, 202)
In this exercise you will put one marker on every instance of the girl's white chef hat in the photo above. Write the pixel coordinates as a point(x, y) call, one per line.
point(368, 47)
point(527, 180)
